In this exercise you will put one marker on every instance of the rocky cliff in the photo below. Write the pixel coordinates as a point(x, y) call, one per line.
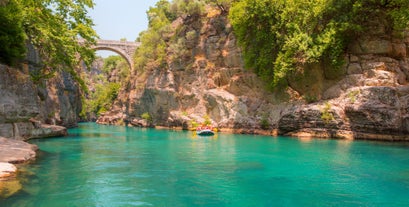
point(368, 98)
point(371, 99)
point(31, 109)
point(207, 80)
point(21, 109)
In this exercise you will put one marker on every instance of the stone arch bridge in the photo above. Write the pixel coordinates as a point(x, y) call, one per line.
point(124, 48)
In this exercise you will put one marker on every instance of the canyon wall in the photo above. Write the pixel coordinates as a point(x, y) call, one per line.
point(369, 101)
point(207, 80)
point(367, 98)
point(35, 109)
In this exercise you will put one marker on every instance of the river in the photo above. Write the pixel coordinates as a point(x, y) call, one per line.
point(123, 166)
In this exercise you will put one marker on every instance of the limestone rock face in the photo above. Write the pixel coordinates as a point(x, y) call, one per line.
point(377, 110)
point(60, 100)
point(58, 97)
point(369, 102)
point(366, 98)
point(207, 80)
point(21, 107)
point(362, 113)
point(28, 108)
point(18, 102)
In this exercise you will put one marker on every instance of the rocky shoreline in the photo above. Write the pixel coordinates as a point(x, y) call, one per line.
point(320, 133)
point(13, 152)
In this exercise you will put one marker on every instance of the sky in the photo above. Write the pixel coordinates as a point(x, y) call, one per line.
point(116, 19)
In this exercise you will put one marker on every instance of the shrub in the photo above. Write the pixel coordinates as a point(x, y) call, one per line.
point(326, 115)
point(264, 123)
point(147, 117)
point(310, 98)
point(352, 95)
point(194, 124)
point(101, 100)
point(207, 120)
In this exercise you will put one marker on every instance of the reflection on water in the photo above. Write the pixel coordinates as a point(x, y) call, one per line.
point(123, 166)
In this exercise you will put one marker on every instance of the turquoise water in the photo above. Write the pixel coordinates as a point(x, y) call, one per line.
point(120, 166)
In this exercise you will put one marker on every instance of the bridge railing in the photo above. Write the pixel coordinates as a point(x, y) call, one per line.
point(114, 42)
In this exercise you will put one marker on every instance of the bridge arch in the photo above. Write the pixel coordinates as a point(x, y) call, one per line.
point(123, 48)
point(119, 52)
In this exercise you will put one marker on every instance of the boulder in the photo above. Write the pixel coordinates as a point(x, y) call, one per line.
point(313, 117)
point(13, 152)
point(375, 110)
point(354, 68)
point(47, 130)
point(379, 113)
point(7, 170)
point(16, 151)
point(139, 123)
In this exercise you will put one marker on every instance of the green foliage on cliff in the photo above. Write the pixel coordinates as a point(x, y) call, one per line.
point(118, 63)
point(106, 84)
point(53, 27)
point(153, 46)
point(207, 121)
point(110, 63)
point(187, 7)
point(147, 117)
point(101, 99)
point(326, 114)
point(12, 36)
point(279, 36)
point(223, 5)
point(160, 35)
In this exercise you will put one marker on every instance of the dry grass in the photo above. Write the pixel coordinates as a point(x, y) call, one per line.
point(212, 12)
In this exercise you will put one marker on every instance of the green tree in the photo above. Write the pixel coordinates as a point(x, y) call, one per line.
point(54, 28)
point(223, 5)
point(111, 63)
point(101, 100)
point(187, 7)
point(12, 36)
point(160, 35)
point(153, 45)
point(116, 62)
point(147, 117)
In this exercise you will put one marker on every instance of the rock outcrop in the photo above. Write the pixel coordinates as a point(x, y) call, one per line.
point(13, 152)
point(367, 98)
point(34, 108)
point(20, 108)
point(58, 97)
point(7, 170)
point(207, 80)
point(60, 100)
point(16, 151)
point(370, 101)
